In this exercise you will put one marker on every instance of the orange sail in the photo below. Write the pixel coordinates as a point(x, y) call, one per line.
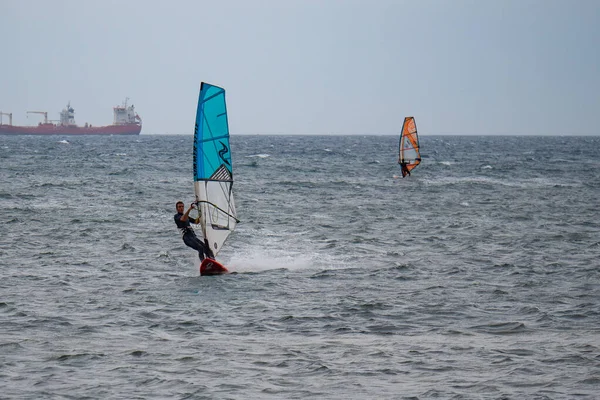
point(409, 155)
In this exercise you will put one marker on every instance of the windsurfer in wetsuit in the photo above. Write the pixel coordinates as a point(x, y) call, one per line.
point(404, 168)
point(182, 220)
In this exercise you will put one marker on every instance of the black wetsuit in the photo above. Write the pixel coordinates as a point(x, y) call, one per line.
point(191, 240)
point(404, 169)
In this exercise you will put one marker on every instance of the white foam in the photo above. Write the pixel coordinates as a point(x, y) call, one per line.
point(259, 156)
point(258, 262)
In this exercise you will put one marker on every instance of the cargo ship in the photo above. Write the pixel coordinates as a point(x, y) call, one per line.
point(126, 122)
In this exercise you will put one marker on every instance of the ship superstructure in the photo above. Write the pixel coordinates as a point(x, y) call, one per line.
point(125, 115)
point(67, 116)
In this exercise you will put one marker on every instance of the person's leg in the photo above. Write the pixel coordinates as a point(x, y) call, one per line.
point(201, 249)
point(195, 243)
point(208, 250)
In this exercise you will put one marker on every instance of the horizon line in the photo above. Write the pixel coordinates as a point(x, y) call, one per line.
point(383, 134)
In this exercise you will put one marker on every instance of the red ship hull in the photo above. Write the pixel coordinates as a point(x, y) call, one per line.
point(51, 129)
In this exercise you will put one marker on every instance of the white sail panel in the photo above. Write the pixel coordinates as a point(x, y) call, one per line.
point(217, 211)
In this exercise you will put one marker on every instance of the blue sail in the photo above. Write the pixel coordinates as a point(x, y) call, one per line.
point(213, 174)
point(211, 136)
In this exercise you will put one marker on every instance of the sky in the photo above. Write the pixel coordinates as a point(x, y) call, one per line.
point(472, 67)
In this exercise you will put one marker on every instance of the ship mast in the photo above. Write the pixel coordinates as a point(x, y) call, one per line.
point(9, 117)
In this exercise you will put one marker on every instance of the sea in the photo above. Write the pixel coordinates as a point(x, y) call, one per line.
point(477, 277)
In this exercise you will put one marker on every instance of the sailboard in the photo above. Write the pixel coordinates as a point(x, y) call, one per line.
point(213, 174)
point(409, 155)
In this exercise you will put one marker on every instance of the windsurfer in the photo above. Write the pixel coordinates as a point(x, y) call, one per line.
point(182, 220)
point(404, 168)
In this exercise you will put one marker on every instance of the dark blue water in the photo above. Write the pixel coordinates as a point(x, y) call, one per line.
point(478, 277)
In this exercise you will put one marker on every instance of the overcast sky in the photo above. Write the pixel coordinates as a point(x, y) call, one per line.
point(309, 66)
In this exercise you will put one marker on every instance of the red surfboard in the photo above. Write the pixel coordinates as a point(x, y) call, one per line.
point(212, 267)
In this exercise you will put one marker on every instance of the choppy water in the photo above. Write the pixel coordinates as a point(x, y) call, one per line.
point(476, 278)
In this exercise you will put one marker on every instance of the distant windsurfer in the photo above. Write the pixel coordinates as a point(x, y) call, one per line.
point(404, 168)
point(182, 220)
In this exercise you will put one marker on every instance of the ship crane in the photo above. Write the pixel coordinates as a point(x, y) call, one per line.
point(9, 117)
point(40, 112)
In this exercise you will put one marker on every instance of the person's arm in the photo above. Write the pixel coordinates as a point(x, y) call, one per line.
point(186, 215)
